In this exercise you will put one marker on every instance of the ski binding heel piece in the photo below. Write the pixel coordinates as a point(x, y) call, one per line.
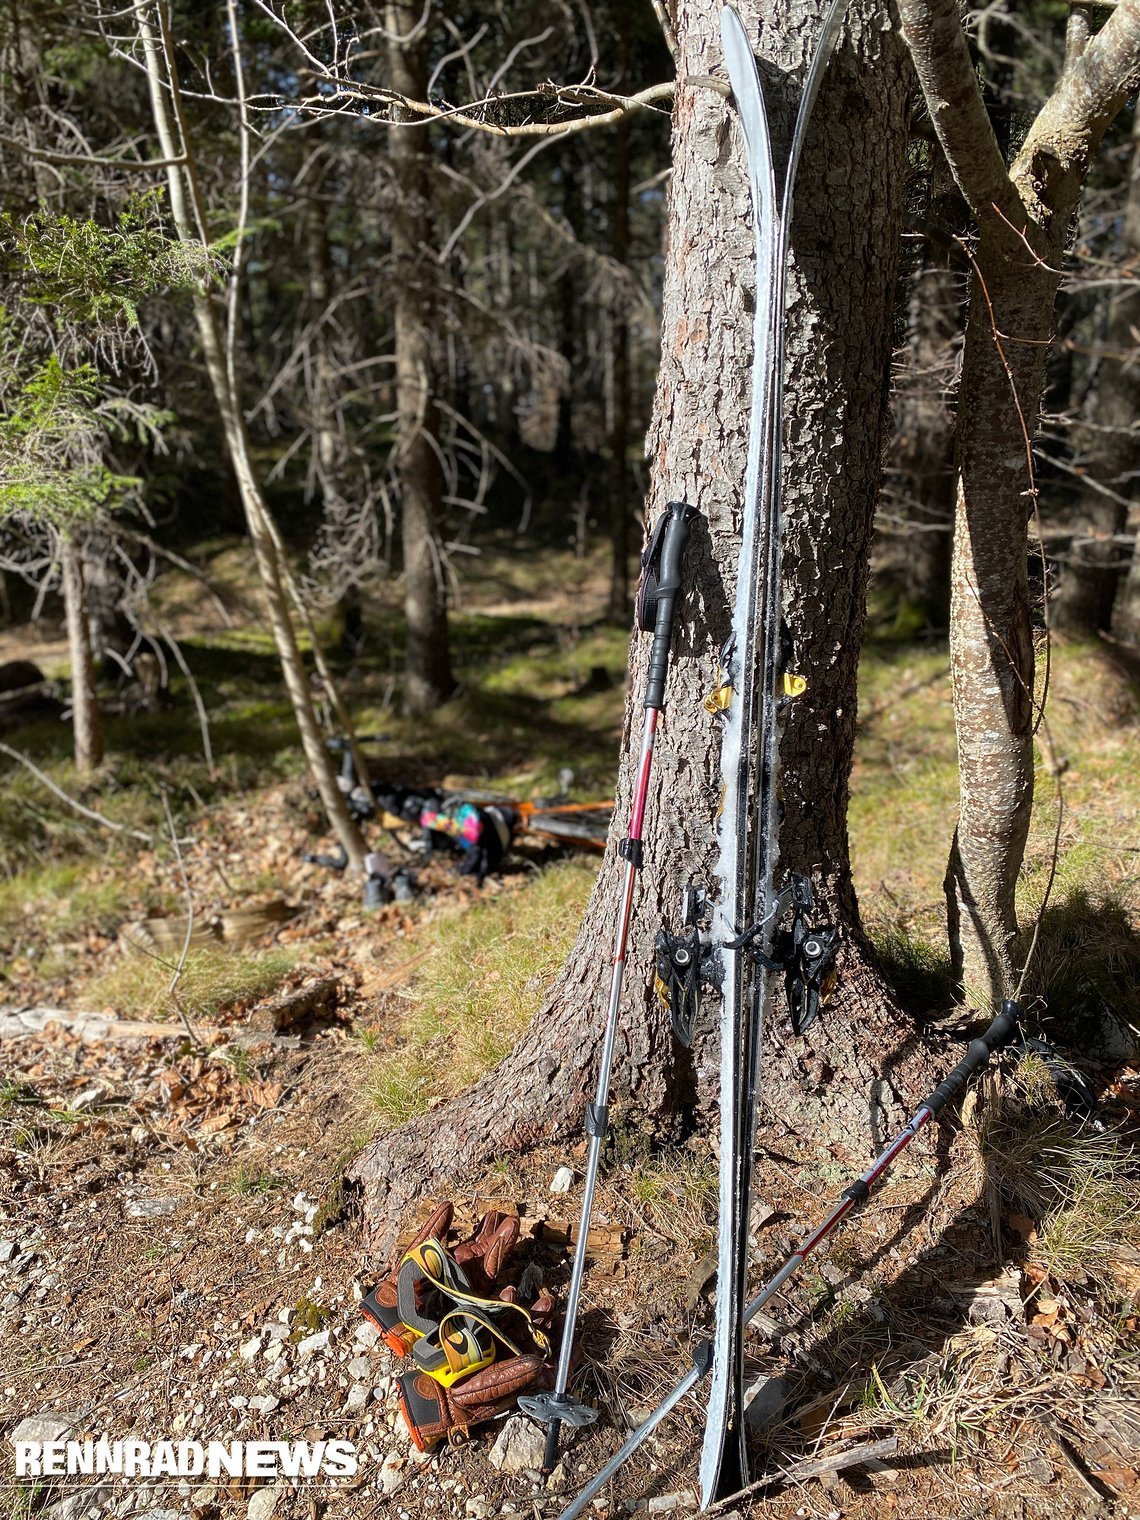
point(805, 952)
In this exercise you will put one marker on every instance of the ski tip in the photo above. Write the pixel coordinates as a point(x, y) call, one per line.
point(732, 33)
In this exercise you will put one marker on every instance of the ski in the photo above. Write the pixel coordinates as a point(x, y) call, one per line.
point(735, 838)
point(978, 1054)
point(748, 909)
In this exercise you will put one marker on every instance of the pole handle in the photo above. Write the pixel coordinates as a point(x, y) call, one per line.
point(978, 1053)
point(660, 589)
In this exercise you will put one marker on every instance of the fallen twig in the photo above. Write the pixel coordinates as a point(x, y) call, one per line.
point(78, 807)
point(816, 1467)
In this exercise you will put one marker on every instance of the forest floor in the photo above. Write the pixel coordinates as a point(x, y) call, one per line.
point(175, 1259)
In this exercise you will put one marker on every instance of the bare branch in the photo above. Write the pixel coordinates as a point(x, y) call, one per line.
point(427, 111)
point(949, 82)
point(78, 807)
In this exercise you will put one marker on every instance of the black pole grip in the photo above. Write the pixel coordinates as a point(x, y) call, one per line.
point(680, 517)
point(978, 1053)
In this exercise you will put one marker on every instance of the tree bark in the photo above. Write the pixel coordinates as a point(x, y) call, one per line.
point(841, 291)
point(619, 503)
point(86, 720)
point(1023, 217)
point(428, 680)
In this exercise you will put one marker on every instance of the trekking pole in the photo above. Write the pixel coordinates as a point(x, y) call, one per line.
point(976, 1058)
point(657, 598)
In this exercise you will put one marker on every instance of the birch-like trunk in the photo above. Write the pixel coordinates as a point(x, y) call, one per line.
point(846, 238)
point(86, 720)
point(1024, 215)
point(187, 210)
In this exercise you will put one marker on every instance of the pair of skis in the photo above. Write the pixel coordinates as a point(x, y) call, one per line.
point(746, 918)
point(746, 938)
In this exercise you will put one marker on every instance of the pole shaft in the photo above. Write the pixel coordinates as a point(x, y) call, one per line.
point(601, 1097)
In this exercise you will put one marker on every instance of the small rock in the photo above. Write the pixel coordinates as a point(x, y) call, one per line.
point(262, 1504)
point(249, 1349)
point(312, 1344)
point(78, 1504)
point(366, 1335)
point(381, 1388)
point(665, 1504)
point(274, 1332)
point(392, 1472)
point(358, 1396)
point(520, 1444)
point(7, 1250)
point(265, 1403)
point(359, 1367)
point(151, 1208)
point(202, 1499)
point(1036, 1467)
point(48, 1426)
point(478, 1508)
point(764, 1402)
point(562, 1181)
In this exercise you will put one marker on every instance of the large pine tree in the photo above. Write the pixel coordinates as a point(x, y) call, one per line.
point(841, 295)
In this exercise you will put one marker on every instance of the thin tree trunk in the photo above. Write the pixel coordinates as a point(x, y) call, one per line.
point(1023, 215)
point(428, 680)
point(1084, 601)
point(86, 721)
point(847, 224)
point(568, 315)
point(922, 449)
point(619, 503)
point(991, 644)
point(187, 212)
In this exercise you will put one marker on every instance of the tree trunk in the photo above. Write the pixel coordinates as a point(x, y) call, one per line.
point(189, 222)
point(619, 503)
point(86, 721)
point(991, 643)
point(1023, 215)
point(569, 313)
point(922, 449)
point(428, 680)
point(1083, 603)
point(839, 325)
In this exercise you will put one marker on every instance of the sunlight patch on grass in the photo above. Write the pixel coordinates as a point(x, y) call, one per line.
point(493, 964)
point(63, 898)
point(212, 981)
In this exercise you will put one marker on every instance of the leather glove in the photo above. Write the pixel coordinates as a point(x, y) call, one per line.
point(379, 1306)
point(433, 1412)
point(482, 1258)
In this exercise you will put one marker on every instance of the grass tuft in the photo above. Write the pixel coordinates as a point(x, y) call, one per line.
point(1077, 1183)
point(212, 981)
